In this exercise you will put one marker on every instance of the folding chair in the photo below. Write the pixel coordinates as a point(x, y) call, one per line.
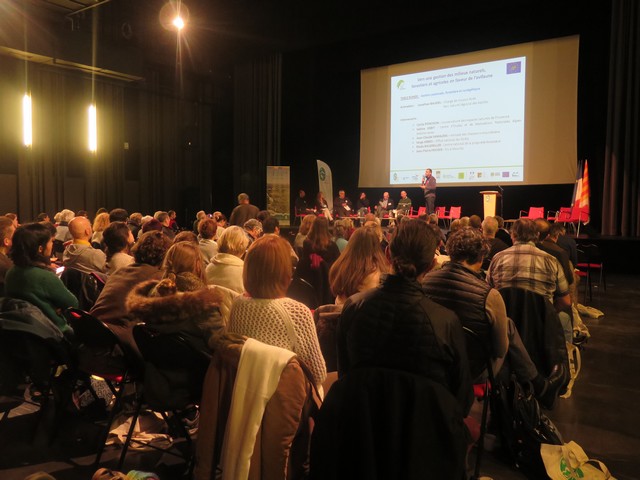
point(180, 369)
point(99, 353)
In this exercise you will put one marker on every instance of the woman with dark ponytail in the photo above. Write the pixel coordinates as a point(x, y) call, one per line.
point(395, 326)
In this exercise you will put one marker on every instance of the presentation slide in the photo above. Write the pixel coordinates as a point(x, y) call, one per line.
point(465, 123)
point(506, 115)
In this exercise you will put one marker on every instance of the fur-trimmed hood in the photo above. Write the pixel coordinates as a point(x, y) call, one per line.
point(195, 312)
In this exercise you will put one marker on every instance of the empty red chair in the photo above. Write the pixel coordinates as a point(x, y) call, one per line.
point(534, 212)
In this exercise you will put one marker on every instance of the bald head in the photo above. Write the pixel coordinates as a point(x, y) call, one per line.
point(80, 228)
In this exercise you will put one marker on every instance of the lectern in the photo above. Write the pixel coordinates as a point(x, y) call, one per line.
point(489, 200)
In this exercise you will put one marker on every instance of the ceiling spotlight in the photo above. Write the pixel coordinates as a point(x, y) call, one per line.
point(174, 15)
point(178, 22)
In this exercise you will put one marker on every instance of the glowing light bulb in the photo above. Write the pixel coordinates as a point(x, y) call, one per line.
point(93, 129)
point(27, 132)
point(178, 22)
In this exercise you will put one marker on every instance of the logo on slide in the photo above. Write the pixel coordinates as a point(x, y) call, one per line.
point(395, 177)
point(322, 174)
point(514, 67)
point(400, 85)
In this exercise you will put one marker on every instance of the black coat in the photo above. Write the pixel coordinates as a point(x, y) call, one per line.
point(396, 326)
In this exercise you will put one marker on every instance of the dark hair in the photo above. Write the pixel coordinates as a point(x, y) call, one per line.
point(543, 228)
point(208, 228)
point(185, 236)
point(151, 248)
point(162, 217)
point(101, 210)
point(270, 224)
point(116, 238)
point(524, 230)
point(41, 217)
point(220, 217)
point(413, 248)
point(475, 221)
point(118, 215)
point(27, 241)
point(467, 244)
point(152, 225)
point(556, 229)
point(263, 215)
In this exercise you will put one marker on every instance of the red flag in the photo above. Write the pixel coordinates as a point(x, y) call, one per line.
point(582, 191)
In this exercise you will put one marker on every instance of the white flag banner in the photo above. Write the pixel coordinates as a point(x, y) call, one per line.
point(325, 182)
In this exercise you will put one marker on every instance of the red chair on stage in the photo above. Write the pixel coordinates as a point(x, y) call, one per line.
point(421, 211)
point(563, 215)
point(441, 212)
point(534, 213)
point(454, 214)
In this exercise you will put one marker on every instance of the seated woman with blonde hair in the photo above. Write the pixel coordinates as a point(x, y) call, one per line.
point(266, 314)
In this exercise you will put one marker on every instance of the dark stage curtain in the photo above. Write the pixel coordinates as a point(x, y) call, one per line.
point(257, 124)
point(621, 189)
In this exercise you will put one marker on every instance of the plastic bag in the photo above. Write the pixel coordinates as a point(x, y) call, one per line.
point(570, 462)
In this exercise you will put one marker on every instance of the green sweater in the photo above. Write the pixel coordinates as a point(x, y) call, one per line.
point(43, 289)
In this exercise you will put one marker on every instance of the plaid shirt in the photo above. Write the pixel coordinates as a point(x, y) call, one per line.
point(526, 266)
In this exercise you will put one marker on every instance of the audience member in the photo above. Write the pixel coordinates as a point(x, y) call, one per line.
point(502, 232)
point(208, 229)
point(243, 212)
point(165, 221)
point(226, 266)
point(558, 231)
point(318, 242)
point(266, 314)
point(360, 267)
point(62, 228)
point(342, 229)
point(201, 215)
point(6, 234)
point(135, 223)
point(263, 215)
point(303, 231)
point(151, 225)
point(31, 278)
point(525, 266)
point(82, 213)
point(489, 230)
point(100, 223)
point(253, 230)
point(118, 215)
point(14, 219)
point(110, 308)
point(548, 244)
point(271, 226)
point(43, 217)
point(80, 254)
point(460, 287)
point(180, 302)
point(173, 223)
point(186, 236)
point(118, 239)
point(475, 222)
point(397, 327)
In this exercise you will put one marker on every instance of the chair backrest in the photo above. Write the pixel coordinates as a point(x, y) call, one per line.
point(401, 409)
point(422, 210)
point(579, 214)
point(85, 286)
point(455, 212)
point(304, 292)
point(281, 451)
point(536, 212)
point(89, 330)
point(441, 212)
point(564, 214)
point(539, 327)
point(174, 368)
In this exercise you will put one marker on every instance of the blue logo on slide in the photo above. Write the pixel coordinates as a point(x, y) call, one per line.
point(514, 67)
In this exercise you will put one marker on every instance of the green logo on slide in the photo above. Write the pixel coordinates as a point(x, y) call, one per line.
point(322, 174)
point(400, 84)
